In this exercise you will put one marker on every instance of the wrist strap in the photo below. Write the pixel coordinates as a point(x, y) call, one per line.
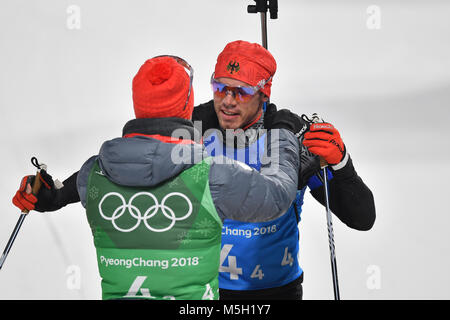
point(341, 164)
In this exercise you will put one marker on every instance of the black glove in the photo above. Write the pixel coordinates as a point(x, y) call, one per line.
point(47, 194)
point(309, 165)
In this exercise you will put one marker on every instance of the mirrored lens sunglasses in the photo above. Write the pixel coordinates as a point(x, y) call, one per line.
point(241, 93)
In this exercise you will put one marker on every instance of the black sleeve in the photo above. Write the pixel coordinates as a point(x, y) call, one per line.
point(350, 199)
point(60, 197)
point(207, 115)
point(69, 191)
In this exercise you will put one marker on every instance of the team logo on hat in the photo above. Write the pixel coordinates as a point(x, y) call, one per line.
point(233, 66)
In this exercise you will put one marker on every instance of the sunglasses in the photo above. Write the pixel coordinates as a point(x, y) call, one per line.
point(188, 67)
point(240, 93)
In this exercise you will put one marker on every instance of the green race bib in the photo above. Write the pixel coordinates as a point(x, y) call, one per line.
point(161, 242)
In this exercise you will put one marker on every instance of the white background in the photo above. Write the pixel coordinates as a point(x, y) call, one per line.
point(63, 91)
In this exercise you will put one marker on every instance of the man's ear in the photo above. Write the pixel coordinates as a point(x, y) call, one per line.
point(264, 98)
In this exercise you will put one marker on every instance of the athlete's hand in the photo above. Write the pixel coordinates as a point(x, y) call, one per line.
point(24, 199)
point(324, 140)
point(310, 165)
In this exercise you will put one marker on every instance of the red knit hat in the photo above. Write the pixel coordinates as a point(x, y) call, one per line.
point(161, 88)
point(247, 62)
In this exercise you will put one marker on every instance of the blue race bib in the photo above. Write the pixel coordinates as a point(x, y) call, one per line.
point(257, 255)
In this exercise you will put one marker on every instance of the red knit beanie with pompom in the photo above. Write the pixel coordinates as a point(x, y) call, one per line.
point(160, 90)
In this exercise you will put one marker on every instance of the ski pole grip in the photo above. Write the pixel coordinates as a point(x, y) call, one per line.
point(323, 162)
point(37, 179)
point(317, 119)
point(36, 186)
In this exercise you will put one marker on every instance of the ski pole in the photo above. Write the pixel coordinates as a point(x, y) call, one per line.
point(323, 166)
point(262, 6)
point(35, 189)
point(331, 238)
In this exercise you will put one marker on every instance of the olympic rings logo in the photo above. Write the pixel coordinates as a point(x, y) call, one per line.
point(149, 213)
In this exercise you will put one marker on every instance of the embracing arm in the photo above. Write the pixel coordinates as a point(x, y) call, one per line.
point(350, 199)
point(242, 193)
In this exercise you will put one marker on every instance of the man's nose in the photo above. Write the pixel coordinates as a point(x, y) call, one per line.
point(229, 99)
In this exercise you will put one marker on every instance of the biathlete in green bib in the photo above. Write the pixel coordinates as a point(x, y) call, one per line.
point(155, 203)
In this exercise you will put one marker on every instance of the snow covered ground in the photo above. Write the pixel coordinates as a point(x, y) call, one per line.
point(378, 70)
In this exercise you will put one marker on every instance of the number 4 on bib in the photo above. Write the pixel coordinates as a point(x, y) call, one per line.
point(257, 272)
point(287, 258)
point(232, 267)
point(136, 286)
point(209, 294)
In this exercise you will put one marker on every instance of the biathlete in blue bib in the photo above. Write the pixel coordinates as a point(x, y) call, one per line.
point(260, 260)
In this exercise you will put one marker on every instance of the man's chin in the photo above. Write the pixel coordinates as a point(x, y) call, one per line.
point(229, 124)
